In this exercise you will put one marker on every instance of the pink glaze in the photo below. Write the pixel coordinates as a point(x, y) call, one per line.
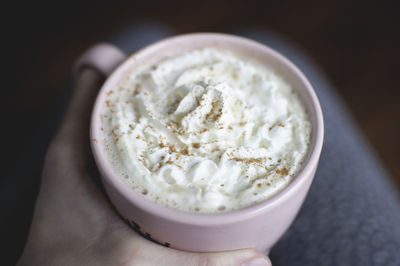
point(258, 226)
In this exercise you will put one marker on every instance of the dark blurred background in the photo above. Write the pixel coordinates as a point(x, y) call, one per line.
point(356, 43)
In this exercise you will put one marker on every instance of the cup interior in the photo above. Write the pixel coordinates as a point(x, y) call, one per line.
point(242, 47)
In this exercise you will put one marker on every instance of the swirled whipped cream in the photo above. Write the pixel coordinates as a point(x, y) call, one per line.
point(205, 131)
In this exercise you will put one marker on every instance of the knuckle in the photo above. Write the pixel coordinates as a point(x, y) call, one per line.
point(57, 154)
point(54, 152)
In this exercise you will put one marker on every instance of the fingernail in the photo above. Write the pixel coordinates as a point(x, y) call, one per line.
point(258, 261)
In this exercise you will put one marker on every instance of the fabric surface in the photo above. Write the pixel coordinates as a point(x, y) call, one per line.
point(350, 216)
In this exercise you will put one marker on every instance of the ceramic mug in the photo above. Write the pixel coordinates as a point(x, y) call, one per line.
point(258, 226)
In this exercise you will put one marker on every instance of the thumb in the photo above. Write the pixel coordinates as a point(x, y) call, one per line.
point(154, 254)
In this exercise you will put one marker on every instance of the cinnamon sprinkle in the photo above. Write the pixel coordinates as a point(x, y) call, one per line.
point(196, 145)
point(283, 171)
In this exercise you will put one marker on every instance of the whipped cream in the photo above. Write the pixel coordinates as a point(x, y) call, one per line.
point(205, 131)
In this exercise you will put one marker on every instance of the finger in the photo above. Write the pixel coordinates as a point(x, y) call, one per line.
point(153, 254)
point(66, 159)
point(76, 123)
point(72, 137)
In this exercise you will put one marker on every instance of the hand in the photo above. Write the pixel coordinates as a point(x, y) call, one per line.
point(74, 224)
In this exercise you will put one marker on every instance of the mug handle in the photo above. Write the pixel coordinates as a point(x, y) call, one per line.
point(103, 57)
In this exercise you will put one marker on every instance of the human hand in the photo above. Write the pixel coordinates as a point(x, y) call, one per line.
point(74, 224)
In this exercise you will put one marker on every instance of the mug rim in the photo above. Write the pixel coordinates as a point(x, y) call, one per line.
point(109, 175)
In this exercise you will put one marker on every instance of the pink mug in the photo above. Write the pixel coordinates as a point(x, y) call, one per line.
point(258, 226)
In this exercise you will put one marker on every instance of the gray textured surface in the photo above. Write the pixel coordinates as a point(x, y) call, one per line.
point(351, 215)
